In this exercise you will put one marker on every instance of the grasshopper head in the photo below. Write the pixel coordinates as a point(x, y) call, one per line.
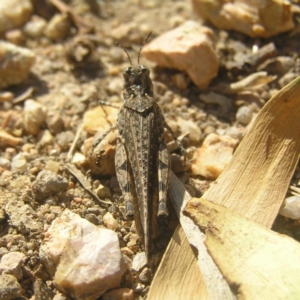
point(137, 81)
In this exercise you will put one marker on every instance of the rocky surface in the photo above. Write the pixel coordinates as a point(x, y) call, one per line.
point(84, 260)
point(65, 63)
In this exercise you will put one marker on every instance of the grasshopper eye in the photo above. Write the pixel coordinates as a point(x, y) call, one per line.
point(127, 72)
point(145, 70)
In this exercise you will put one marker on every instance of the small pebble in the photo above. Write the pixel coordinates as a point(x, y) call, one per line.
point(65, 139)
point(119, 294)
point(6, 96)
point(58, 27)
point(190, 127)
point(139, 261)
point(15, 36)
point(127, 251)
point(115, 86)
point(145, 275)
point(209, 129)
point(176, 20)
point(103, 192)
point(16, 63)
point(48, 183)
point(286, 79)
point(4, 163)
point(181, 81)
point(35, 27)
point(109, 221)
point(11, 263)
point(92, 218)
point(19, 163)
point(145, 291)
point(53, 166)
point(291, 208)
point(34, 116)
point(225, 103)
point(116, 55)
point(138, 287)
point(78, 158)
point(244, 115)
point(45, 138)
point(133, 238)
point(9, 287)
point(42, 291)
point(55, 124)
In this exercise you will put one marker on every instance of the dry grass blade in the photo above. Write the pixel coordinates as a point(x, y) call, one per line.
point(210, 283)
point(175, 285)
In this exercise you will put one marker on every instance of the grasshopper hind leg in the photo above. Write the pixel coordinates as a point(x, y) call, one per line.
point(123, 176)
point(163, 179)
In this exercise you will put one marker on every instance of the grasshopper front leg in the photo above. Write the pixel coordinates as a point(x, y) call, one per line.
point(182, 150)
point(99, 140)
point(123, 176)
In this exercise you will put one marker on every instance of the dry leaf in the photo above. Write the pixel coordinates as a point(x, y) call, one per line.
point(258, 263)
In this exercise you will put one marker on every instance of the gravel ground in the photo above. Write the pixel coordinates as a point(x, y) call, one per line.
point(67, 88)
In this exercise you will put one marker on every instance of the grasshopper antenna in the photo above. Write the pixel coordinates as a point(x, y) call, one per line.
point(125, 52)
point(145, 41)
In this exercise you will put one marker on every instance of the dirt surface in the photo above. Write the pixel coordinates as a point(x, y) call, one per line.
point(68, 89)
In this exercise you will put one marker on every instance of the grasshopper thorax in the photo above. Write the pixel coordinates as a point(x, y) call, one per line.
point(138, 89)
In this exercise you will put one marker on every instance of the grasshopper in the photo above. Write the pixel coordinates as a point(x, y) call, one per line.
point(142, 160)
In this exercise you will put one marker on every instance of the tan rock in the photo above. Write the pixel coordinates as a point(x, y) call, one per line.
point(58, 27)
point(11, 263)
point(86, 259)
point(103, 192)
point(119, 294)
point(45, 138)
point(19, 163)
point(14, 13)
point(190, 128)
point(34, 116)
point(15, 64)
point(35, 27)
point(109, 221)
point(15, 36)
point(255, 18)
point(101, 117)
point(52, 166)
point(190, 48)
point(9, 287)
point(6, 96)
point(213, 156)
point(7, 139)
